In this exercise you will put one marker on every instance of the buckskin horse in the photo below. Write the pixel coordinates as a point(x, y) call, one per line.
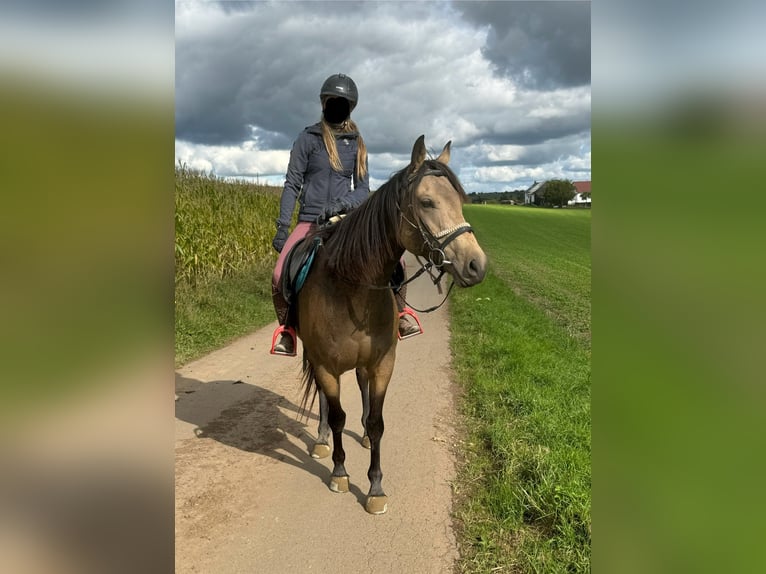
point(346, 315)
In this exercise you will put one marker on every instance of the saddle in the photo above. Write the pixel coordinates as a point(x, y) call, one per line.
point(295, 270)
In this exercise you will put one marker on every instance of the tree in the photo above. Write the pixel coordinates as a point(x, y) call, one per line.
point(518, 195)
point(556, 192)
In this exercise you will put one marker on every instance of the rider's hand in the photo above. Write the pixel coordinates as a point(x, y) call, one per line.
point(280, 238)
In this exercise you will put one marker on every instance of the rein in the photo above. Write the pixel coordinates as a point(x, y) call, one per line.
point(424, 267)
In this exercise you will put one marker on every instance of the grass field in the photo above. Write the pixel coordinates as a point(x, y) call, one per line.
point(213, 314)
point(521, 342)
point(223, 260)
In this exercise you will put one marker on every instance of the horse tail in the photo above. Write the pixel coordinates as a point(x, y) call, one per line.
point(310, 388)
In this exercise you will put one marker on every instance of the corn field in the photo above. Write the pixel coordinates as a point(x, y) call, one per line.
point(221, 227)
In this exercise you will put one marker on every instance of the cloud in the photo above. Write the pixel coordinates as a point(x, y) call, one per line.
point(519, 176)
point(230, 161)
point(540, 45)
point(248, 76)
point(491, 155)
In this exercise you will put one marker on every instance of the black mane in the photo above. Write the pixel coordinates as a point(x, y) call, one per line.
point(363, 243)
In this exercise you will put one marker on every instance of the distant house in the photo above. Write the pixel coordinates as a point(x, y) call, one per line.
point(582, 197)
point(529, 194)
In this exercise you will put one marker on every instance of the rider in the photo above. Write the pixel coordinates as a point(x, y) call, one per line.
point(327, 174)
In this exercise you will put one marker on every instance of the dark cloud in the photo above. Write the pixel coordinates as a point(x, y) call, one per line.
point(271, 140)
point(304, 7)
point(540, 154)
point(540, 45)
point(540, 131)
point(230, 80)
point(263, 66)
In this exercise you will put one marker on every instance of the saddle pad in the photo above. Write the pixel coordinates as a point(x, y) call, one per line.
point(297, 266)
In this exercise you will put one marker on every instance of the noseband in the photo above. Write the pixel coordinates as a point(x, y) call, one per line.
point(436, 255)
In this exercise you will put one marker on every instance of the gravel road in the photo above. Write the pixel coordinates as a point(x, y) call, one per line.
point(250, 499)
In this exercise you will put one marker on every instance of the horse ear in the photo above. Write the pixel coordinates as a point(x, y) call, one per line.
point(444, 155)
point(418, 154)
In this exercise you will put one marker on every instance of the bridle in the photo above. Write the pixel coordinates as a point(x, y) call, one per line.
point(435, 242)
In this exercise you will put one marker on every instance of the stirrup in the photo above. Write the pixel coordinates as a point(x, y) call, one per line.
point(411, 313)
point(277, 332)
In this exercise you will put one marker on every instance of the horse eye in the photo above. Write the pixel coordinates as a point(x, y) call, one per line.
point(427, 203)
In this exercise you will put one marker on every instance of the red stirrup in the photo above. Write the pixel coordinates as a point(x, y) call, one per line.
point(277, 332)
point(411, 313)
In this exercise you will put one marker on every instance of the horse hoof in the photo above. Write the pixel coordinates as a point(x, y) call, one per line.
point(376, 504)
point(339, 483)
point(320, 451)
point(366, 441)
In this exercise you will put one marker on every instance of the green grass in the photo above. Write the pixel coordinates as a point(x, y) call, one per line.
point(212, 315)
point(223, 260)
point(544, 256)
point(521, 344)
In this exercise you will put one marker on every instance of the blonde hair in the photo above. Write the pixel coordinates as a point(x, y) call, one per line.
point(328, 136)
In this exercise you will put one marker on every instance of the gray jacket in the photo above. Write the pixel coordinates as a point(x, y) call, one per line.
point(311, 180)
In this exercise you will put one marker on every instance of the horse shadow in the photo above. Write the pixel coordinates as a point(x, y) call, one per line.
point(255, 421)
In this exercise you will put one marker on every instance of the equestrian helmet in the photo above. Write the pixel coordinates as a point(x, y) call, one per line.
point(340, 86)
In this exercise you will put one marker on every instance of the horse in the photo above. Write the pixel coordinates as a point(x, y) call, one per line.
point(347, 317)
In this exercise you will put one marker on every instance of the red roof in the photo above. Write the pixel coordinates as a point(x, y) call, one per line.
point(582, 186)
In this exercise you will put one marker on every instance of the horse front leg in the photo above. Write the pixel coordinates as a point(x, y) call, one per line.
point(336, 418)
point(364, 389)
point(377, 501)
point(321, 448)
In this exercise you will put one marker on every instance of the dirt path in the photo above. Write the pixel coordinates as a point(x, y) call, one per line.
point(249, 498)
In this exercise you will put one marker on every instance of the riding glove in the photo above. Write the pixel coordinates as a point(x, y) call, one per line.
point(338, 207)
point(280, 238)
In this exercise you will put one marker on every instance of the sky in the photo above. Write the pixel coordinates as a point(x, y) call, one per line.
point(507, 82)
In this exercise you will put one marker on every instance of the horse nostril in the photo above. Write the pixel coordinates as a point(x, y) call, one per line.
point(473, 267)
point(476, 269)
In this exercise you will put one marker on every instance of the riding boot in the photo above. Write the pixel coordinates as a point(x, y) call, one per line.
point(280, 305)
point(285, 345)
point(284, 340)
point(406, 328)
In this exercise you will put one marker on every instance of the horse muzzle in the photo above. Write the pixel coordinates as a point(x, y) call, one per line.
point(469, 268)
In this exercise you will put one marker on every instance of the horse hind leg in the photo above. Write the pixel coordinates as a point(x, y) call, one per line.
point(364, 389)
point(321, 448)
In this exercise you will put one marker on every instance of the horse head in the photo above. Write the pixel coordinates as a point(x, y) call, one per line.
point(433, 211)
